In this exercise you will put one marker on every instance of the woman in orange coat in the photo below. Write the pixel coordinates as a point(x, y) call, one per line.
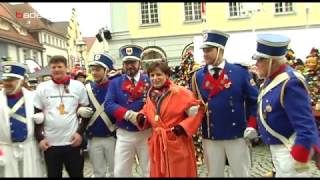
point(175, 115)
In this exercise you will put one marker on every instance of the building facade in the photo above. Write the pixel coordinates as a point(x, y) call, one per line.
point(43, 30)
point(94, 47)
point(172, 26)
point(16, 43)
point(74, 36)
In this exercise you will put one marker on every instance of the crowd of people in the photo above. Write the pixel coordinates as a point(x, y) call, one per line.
point(151, 116)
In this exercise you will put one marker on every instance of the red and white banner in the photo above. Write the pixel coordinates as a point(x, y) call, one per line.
point(32, 65)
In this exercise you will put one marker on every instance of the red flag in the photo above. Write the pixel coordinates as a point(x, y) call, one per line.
point(203, 10)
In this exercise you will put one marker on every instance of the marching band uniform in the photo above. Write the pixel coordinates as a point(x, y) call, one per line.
point(126, 97)
point(101, 127)
point(19, 152)
point(231, 109)
point(285, 118)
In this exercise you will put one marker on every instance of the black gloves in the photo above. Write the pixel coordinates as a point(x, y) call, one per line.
point(178, 130)
point(83, 125)
point(141, 119)
point(39, 131)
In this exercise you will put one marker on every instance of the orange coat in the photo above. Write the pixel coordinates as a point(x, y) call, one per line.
point(171, 155)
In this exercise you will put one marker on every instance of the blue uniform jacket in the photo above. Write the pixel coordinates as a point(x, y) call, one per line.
point(228, 109)
point(120, 99)
point(99, 128)
point(18, 129)
point(295, 116)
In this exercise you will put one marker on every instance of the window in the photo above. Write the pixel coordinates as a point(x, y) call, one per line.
point(48, 39)
point(45, 38)
point(283, 7)
point(192, 11)
point(149, 13)
point(34, 55)
point(23, 32)
point(26, 54)
point(236, 9)
point(4, 25)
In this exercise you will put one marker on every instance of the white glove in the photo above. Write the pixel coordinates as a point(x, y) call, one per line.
point(301, 167)
point(85, 112)
point(250, 133)
point(38, 118)
point(132, 117)
point(193, 110)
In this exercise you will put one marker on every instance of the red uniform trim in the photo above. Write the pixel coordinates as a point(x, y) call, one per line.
point(300, 153)
point(279, 71)
point(119, 113)
point(15, 96)
point(252, 122)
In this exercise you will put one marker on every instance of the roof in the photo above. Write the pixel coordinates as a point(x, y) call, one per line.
point(5, 11)
point(33, 24)
point(12, 35)
point(89, 41)
point(62, 27)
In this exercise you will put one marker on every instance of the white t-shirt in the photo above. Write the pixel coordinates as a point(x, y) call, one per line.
point(59, 128)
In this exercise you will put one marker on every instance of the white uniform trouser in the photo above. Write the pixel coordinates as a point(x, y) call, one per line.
point(17, 149)
point(128, 144)
point(284, 163)
point(237, 152)
point(101, 154)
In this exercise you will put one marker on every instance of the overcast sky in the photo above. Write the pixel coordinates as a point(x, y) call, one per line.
point(91, 16)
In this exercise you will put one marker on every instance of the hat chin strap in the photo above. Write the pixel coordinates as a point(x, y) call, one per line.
point(17, 87)
point(217, 61)
point(269, 68)
point(104, 77)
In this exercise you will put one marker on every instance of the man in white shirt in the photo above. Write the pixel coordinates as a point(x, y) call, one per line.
point(58, 131)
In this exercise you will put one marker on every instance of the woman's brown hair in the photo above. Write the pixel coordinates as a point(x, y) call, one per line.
point(161, 65)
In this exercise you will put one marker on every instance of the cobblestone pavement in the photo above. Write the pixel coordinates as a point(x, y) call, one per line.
point(261, 165)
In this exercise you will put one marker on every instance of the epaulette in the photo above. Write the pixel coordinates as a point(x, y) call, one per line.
point(242, 65)
point(112, 76)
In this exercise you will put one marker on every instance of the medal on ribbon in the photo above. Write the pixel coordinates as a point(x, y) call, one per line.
point(61, 109)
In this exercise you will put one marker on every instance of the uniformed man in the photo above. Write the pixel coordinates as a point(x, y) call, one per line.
point(286, 122)
point(101, 127)
point(125, 98)
point(19, 152)
point(230, 95)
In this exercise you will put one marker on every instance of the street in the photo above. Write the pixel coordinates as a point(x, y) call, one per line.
point(261, 165)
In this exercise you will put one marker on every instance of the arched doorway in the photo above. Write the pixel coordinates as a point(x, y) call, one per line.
point(187, 48)
point(152, 54)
